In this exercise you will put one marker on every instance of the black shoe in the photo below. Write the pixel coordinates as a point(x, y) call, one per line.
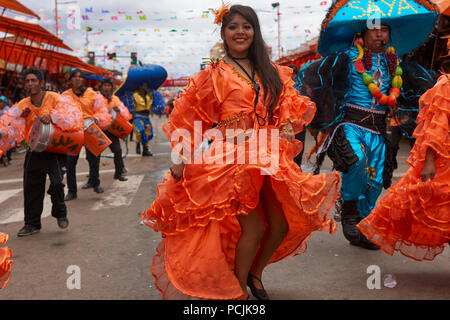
point(63, 223)
point(120, 178)
point(28, 230)
point(366, 244)
point(349, 220)
point(146, 152)
point(259, 294)
point(70, 196)
point(124, 170)
point(99, 189)
point(87, 186)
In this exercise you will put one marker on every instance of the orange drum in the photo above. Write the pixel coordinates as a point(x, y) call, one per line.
point(1, 153)
point(50, 138)
point(94, 138)
point(120, 127)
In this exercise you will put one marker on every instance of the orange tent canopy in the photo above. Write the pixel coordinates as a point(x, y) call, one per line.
point(17, 6)
point(45, 59)
point(30, 31)
point(443, 5)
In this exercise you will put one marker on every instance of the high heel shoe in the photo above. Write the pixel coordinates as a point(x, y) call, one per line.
point(259, 294)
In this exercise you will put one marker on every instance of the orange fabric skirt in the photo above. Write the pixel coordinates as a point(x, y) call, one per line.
point(197, 217)
point(414, 216)
point(5, 262)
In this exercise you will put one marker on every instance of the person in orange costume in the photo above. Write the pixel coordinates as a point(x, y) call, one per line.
point(223, 223)
point(414, 216)
point(5, 261)
point(112, 102)
point(16, 125)
point(92, 106)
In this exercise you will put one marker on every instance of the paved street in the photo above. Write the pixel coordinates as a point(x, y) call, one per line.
point(113, 250)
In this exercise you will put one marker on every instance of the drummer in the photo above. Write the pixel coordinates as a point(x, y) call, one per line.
point(92, 106)
point(112, 102)
point(16, 125)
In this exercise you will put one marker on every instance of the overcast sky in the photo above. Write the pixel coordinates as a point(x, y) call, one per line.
point(172, 33)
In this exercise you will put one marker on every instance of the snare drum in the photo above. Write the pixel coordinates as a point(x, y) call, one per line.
point(120, 127)
point(49, 138)
point(94, 138)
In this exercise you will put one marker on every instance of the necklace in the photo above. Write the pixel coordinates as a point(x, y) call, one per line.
point(256, 87)
point(364, 60)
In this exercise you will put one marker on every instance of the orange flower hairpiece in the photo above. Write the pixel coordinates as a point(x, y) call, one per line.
point(220, 13)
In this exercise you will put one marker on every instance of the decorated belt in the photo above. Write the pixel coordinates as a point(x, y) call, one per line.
point(142, 114)
point(239, 122)
point(374, 120)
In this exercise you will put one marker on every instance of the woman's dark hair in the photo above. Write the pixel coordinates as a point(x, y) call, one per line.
point(74, 73)
point(37, 72)
point(257, 53)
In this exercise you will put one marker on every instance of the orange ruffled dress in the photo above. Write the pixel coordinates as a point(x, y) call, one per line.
point(5, 262)
point(197, 215)
point(414, 216)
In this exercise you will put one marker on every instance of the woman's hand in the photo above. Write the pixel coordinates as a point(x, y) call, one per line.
point(287, 132)
point(177, 171)
point(429, 169)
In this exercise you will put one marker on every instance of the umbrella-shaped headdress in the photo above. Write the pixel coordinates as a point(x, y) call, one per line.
point(411, 22)
point(151, 74)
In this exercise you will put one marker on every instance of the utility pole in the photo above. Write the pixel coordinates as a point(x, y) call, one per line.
point(277, 5)
point(56, 14)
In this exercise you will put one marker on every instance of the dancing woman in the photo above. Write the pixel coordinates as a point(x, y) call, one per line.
point(223, 223)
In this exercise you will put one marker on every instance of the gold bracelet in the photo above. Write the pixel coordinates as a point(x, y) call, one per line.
point(287, 130)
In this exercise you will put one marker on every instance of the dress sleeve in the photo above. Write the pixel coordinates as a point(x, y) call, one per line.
point(66, 114)
point(195, 111)
point(432, 129)
point(292, 108)
point(12, 128)
point(101, 112)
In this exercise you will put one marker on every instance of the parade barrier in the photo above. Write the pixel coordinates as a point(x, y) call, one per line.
point(120, 127)
point(49, 138)
point(94, 138)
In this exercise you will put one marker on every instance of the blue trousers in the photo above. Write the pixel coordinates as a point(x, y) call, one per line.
point(364, 179)
point(143, 129)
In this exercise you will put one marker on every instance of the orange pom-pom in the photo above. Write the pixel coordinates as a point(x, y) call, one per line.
point(220, 13)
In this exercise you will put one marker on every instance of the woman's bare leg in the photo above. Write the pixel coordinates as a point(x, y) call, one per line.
point(275, 233)
point(253, 228)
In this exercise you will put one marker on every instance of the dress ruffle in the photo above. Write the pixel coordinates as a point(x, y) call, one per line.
point(196, 105)
point(197, 215)
point(5, 262)
point(296, 109)
point(414, 217)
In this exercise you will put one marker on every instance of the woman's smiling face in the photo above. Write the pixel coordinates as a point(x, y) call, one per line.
point(238, 35)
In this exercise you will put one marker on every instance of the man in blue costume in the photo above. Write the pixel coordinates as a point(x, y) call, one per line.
point(355, 87)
